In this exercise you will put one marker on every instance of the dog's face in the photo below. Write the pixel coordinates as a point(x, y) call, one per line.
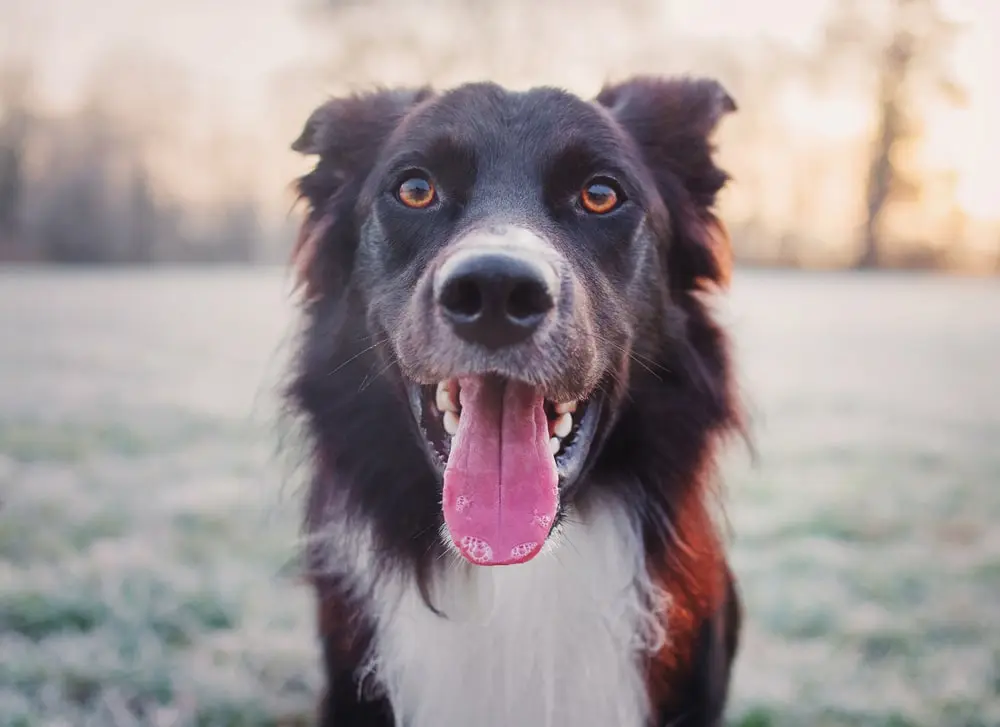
point(516, 254)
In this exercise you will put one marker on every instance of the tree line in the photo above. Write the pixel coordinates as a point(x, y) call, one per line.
point(78, 187)
point(81, 186)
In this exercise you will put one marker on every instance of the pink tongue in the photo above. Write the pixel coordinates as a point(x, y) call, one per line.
point(500, 485)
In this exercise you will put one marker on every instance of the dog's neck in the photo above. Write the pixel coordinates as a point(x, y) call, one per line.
point(555, 642)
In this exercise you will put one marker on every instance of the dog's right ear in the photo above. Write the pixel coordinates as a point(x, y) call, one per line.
point(672, 121)
point(346, 134)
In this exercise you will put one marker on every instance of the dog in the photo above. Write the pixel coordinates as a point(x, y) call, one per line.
point(515, 393)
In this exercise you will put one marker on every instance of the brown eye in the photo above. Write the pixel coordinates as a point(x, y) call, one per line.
point(416, 192)
point(600, 197)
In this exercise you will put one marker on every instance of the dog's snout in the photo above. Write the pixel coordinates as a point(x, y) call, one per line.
point(495, 299)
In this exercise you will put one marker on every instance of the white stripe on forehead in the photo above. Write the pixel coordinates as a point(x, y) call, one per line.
point(511, 240)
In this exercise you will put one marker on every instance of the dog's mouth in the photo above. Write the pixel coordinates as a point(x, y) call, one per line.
point(505, 452)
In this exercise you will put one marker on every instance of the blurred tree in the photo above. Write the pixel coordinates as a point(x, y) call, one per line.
point(908, 51)
point(142, 214)
point(15, 122)
point(238, 230)
point(96, 192)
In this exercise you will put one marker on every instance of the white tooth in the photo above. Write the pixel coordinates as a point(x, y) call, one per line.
point(563, 425)
point(567, 407)
point(444, 399)
point(451, 422)
point(554, 445)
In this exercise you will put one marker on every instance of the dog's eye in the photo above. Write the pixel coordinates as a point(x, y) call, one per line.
point(416, 192)
point(600, 196)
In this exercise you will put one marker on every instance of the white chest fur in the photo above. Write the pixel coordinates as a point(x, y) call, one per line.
point(555, 642)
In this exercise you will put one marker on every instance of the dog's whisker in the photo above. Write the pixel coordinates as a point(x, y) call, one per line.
point(643, 361)
point(368, 381)
point(358, 355)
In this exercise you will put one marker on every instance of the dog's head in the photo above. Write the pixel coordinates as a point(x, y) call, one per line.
point(505, 264)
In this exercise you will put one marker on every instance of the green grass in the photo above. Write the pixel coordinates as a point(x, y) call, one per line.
point(147, 529)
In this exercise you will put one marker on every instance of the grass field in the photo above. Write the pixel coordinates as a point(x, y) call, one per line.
point(147, 525)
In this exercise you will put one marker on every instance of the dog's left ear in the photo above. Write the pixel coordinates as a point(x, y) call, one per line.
point(672, 122)
point(346, 134)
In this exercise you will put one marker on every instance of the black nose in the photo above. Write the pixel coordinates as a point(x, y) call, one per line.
point(495, 299)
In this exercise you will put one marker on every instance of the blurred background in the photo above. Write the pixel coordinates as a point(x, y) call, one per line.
point(148, 521)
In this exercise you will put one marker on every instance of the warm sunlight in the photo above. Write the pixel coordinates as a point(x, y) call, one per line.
point(977, 61)
point(979, 195)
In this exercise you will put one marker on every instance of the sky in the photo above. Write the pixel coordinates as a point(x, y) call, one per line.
point(236, 50)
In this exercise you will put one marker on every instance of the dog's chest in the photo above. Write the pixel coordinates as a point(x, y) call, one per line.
point(555, 642)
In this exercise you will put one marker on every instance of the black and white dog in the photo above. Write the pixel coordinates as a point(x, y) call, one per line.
point(509, 361)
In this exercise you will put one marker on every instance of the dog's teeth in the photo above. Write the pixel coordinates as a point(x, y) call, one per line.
point(444, 399)
point(564, 425)
point(554, 445)
point(451, 422)
point(567, 407)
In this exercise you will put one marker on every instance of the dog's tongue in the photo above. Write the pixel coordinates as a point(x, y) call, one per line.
point(500, 484)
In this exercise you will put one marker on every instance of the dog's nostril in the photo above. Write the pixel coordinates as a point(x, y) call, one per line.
point(527, 300)
point(462, 298)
